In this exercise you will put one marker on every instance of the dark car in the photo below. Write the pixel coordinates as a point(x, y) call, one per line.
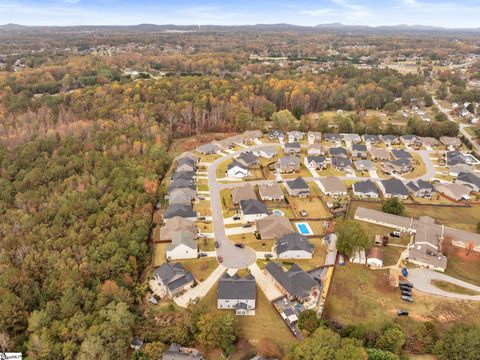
point(405, 287)
point(247, 225)
point(201, 218)
point(406, 293)
point(236, 217)
point(217, 244)
point(395, 234)
point(402, 312)
point(407, 298)
point(405, 283)
point(240, 245)
point(202, 254)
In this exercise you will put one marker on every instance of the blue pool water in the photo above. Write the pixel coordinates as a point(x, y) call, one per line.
point(303, 229)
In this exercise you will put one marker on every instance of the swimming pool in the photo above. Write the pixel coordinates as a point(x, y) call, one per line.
point(278, 212)
point(303, 228)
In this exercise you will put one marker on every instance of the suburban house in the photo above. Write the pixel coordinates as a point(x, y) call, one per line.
point(208, 149)
point(271, 192)
point(365, 189)
point(294, 246)
point(273, 227)
point(183, 211)
point(371, 139)
point(275, 135)
point(183, 246)
point(174, 225)
point(401, 154)
point(181, 184)
point(393, 188)
point(237, 170)
point(342, 164)
point(338, 152)
point(295, 136)
point(456, 192)
point(292, 148)
point(185, 175)
point(186, 165)
point(297, 187)
point(389, 140)
point(375, 257)
point(351, 138)
point(421, 188)
point(266, 152)
point(469, 179)
point(317, 162)
point(190, 156)
point(294, 282)
point(455, 158)
point(429, 142)
point(332, 186)
point(248, 159)
point(410, 140)
point(333, 138)
point(243, 193)
point(379, 154)
point(314, 137)
point(359, 151)
point(315, 149)
point(398, 166)
point(455, 170)
point(183, 196)
point(364, 165)
point(237, 293)
point(252, 135)
point(252, 210)
point(288, 164)
point(177, 352)
point(173, 278)
point(451, 142)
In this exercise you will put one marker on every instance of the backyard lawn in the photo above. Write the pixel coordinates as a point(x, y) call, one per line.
point(200, 268)
point(159, 254)
point(318, 258)
point(391, 255)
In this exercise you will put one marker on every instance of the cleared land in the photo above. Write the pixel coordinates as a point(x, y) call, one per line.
point(462, 266)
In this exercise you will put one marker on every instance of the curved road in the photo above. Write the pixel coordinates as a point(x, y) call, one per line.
point(422, 281)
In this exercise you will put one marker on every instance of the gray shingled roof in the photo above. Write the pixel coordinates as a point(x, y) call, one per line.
point(292, 145)
point(207, 148)
point(297, 184)
point(455, 158)
point(371, 138)
point(359, 147)
point(184, 211)
point(294, 241)
point(234, 164)
point(332, 137)
point(470, 178)
point(341, 163)
point(181, 183)
point(247, 158)
point(182, 237)
point(338, 151)
point(295, 281)
point(173, 276)
point(184, 175)
point(236, 287)
point(252, 207)
point(401, 154)
point(365, 187)
point(394, 187)
point(364, 165)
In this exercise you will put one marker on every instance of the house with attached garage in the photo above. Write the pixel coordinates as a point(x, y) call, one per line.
point(266, 152)
point(183, 246)
point(375, 257)
point(359, 151)
point(208, 149)
point(364, 165)
point(174, 225)
point(294, 282)
point(451, 142)
point(181, 184)
point(276, 135)
point(401, 154)
point(379, 154)
point(456, 192)
point(421, 188)
point(390, 140)
point(398, 166)
point(252, 210)
point(186, 165)
point(190, 176)
point(371, 139)
point(183, 196)
point(173, 278)
point(297, 187)
point(455, 170)
point(317, 162)
point(183, 211)
point(292, 148)
point(316, 149)
point(252, 135)
point(273, 227)
point(188, 155)
point(314, 137)
point(248, 159)
point(237, 170)
point(469, 179)
point(288, 164)
point(342, 164)
point(270, 192)
point(338, 152)
point(365, 189)
point(455, 158)
point(391, 188)
point(237, 293)
point(332, 186)
point(243, 193)
point(351, 138)
point(429, 142)
point(333, 138)
point(410, 140)
point(295, 136)
point(294, 246)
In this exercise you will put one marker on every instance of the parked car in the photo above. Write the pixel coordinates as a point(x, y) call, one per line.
point(407, 298)
point(220, 259)
point(247, 225)
point(406, 293)
point(202, 254)
point(303, 213)
point(405, 283)
point(203, 236)
point(201, 197)
point(240, 245)
point(395, 234)
point(201, 218)
point(217, 244)
point(268, 256)
point(402, 312)
point(236, 217)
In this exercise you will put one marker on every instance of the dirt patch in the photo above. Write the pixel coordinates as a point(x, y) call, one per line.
point(472, 257)
point(191, 143)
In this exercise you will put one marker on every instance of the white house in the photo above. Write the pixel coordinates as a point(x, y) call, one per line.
point(252, 210)
point(294, 246)
point(237, 293)
point(236, 170)
point(183, 246)
point(375, 257)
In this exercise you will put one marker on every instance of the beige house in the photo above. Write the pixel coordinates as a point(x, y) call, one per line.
point(379, 154)
point(454, 191)
point(243, 193)
point(332, 186)
point(271, 192)
point(273, 227)
point(174, 225)
point(450, 141)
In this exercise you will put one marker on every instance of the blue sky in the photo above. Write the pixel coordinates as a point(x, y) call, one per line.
point(447, 13)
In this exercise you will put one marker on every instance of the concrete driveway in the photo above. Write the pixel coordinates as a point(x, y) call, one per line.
point(421, 280)
point(264, 282)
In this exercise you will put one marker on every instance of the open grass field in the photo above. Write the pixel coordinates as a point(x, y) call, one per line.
point(359, 295)
point(200, 268)
point(462, 266)
point(447, 286)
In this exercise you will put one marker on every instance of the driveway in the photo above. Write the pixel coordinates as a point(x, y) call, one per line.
point(265, 283)
point(421, 280)
point(201, 289)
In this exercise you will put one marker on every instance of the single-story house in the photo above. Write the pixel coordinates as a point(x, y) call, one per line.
point(410, 140)
point(342, 164)
point(181, 184)
point(266, 152)
point(317, 162)
point(273, 227)
point(174, 225)
point(351, 138)
point(294, 246)
point(429, 142)
point(338, 152)
point(470, 179)
point(186, 166)
point(183, 211)
point(314, 137)
point(398, 166)
point(252, 210)
point(454, 191)
point(236, 292)
point(208, 149)
point(379, 154)
point(393, 188)
point(316, 149)
point(252, 135)
point(190, 156)
point(365, 189)
point(375, 257)
point(243, 193)
point(288, 164)
point(271, 192)
point(248, 159)
point(182, 196)
point(421, 188)
point(295, 136)
point(459, 168)
point(190, 176)
point(183, 246)
point(401, 154)
point(333, 138)
point(359, 151)
point(297, 187)
point(364, 165)
point(292, 148)
point(455, 158)
point(389, 140)
point(371, 139)
point(332, 186)
point(450, 141)
point(173, 278)
point(237, 170)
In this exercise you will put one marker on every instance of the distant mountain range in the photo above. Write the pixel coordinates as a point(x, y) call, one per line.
point(335, 27)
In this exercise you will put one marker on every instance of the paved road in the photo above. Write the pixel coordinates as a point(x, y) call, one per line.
point(464, 132)
point(421, 280)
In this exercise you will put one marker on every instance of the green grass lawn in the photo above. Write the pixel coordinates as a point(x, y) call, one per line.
point(159, 254)
point(447, 286)
point(462, 266)
point(391, 254)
